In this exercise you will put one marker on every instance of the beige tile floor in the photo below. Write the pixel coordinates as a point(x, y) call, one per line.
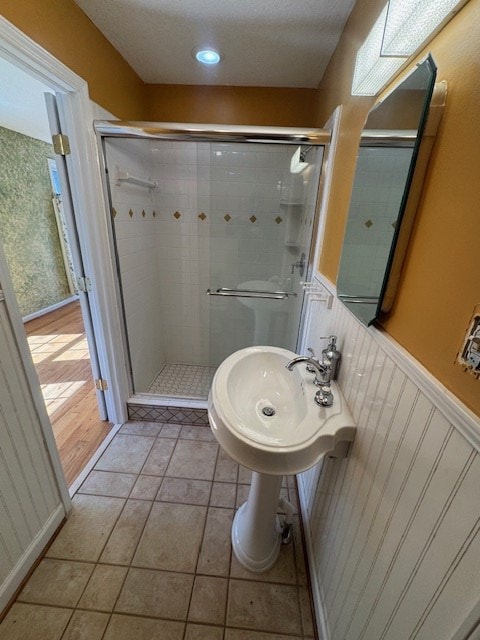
point(146, 553)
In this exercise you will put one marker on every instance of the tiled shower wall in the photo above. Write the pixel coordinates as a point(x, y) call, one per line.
point(394, 527)
point(225, 220)
point(183, 251)
point(376, 197)
point(137, 232)
point(224, 214)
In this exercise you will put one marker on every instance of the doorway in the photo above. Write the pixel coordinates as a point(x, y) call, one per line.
point(61, 357)
point(35, 236)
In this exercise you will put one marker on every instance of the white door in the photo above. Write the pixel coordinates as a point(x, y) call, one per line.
point(82, 279)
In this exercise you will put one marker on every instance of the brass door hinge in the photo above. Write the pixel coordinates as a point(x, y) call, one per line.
point(84, 284)
point(101, 384)
point(61, 144)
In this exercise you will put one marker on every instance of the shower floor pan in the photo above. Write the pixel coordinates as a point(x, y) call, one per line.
point(183, 381)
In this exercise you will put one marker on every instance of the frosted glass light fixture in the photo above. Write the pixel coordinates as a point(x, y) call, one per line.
point(372, 71)
point(403, 27)
point(410, 24)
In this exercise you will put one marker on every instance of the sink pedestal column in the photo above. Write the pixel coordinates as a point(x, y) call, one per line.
point(262, 326)
point(255, 533)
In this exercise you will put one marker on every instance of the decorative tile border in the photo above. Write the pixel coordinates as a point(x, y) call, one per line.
point(132, 213)
point(202, 216)
point(177, 415)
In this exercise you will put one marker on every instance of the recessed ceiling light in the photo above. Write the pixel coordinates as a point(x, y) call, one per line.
point(207, 56)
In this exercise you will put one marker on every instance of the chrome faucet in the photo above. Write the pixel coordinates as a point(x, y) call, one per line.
point(322, 376)
point(324, 396)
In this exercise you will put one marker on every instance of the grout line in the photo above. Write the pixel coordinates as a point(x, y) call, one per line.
point(306, 564)
point(204, 525)
point(131, 565)
point(90, 465)
point(268, 632)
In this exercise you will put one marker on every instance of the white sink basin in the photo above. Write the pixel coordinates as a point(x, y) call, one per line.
point(298, 434)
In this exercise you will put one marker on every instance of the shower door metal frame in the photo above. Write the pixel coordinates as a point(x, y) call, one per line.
point(211, 132)
point(190, 132)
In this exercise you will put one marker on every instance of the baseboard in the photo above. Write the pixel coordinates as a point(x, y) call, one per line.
point(33, 551)
point(317, 595)
point(52, 307)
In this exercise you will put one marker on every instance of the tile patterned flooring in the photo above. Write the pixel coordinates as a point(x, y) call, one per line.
point(146, 552)
point(183, 380)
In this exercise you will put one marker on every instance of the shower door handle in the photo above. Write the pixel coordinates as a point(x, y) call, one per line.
point(251, 293)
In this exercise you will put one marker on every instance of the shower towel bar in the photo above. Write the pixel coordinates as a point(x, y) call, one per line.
point(251, 293)
point(125, 177)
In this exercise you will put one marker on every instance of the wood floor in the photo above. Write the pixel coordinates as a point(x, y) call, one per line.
point(60, 354)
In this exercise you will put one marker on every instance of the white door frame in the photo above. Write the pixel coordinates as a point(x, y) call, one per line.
point(76, 116)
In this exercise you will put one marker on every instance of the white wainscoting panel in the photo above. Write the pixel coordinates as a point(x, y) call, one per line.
point(30, 503)
point(393, 529)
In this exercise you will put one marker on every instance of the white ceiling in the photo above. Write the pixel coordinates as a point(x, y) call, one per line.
point(272, 43)
point(22, 105)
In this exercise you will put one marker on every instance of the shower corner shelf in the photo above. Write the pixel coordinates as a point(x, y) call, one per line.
point(122, 177)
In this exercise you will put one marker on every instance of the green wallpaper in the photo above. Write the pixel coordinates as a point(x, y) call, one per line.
point(28, 229)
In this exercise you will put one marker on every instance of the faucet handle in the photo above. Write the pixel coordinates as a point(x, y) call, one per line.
point(324, 396)
point(332, 338)
point(309, 367)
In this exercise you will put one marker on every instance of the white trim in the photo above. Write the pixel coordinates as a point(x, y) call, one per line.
point(34, 549)
point(454, 410)
point(317, 596)
point(167, 401)
point(458, 414)
point(470, 627)
point(77, 483)
point(23, 52)
point(52, 307)
point(92, 218)
point(92, 225)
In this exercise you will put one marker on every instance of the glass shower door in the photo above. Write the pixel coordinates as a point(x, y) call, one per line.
point(259, 239)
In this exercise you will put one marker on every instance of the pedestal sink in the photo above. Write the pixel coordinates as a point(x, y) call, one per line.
point(265, 418)
point(262, 308)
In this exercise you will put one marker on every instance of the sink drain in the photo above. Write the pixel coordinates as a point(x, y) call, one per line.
point(268, 411)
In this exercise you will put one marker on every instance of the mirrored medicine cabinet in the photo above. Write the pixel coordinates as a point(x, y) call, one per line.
point(393, 152)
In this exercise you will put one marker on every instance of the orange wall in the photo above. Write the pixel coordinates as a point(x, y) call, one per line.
point(61, 28)
point(440, 284)
point(231, 105)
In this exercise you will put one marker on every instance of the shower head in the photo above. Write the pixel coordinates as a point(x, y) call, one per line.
point(298, 162)
point(303, 153)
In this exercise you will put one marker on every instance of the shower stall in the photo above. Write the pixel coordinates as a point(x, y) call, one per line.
point(211, 231)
